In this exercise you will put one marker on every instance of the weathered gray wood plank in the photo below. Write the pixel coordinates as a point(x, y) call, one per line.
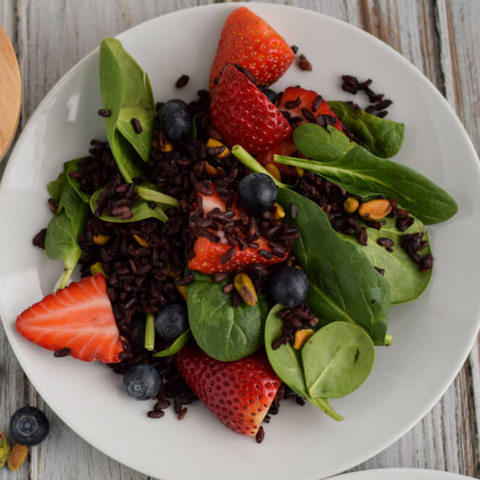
point(438, 36)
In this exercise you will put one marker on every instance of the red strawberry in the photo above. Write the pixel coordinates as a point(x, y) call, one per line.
point(208, 254)
point(238, 393)
point(307, 98)
point(79, 317)
point(249, 41)
point(287, 148)
point(245, 116)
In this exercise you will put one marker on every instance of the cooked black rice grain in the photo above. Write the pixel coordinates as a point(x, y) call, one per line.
point(293, 103)
point(294, 49)
point(382, 114)
point(103, 112)
point(260, 436)
point(182, 81)
point(63, 352)
point(381, 271)
point(308, 115)
point(304, 64)
point(404, 223)
point(39, 238)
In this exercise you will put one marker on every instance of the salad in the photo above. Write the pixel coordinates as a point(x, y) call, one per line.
point(242, 249)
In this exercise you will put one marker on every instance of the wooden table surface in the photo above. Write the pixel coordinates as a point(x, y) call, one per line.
point(440, 37)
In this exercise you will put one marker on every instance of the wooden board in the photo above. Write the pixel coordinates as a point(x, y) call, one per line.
point(440, 37)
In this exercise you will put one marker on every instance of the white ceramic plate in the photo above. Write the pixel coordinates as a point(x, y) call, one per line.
point(401, 474)
point(432, 337)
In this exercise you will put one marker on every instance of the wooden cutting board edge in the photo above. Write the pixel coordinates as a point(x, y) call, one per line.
point(10, 93)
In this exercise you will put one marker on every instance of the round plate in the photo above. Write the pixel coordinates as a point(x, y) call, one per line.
point(401, 474)
point(432, 336)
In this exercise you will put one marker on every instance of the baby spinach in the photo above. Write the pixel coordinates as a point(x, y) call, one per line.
point(383, 138)
point(287, 363)
point(406, 280)
point(127, 93)
point(176, 346)
point(362, 173)
point(55, 187)
point(151, 195)
point(337, 359)
point(344, 286)
point(222, 331)
point(320, 144)
point(74, 182)
point(61, 240)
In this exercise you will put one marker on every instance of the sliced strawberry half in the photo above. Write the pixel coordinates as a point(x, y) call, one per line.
point(79, 317)
point(309, 100)
point(218, 256)
point(249, 41)
point(238, 393)
point(245, 116)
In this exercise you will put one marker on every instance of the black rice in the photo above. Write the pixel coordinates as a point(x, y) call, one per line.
point(182, 81)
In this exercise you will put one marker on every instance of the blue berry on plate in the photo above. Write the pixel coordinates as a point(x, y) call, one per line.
point(257, 192)
point(171, 321)
point(175, 120)
point(270, 94)
point(289, 287)
point(142, 381)
point(29, 426)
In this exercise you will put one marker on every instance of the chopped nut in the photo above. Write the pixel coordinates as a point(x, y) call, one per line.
point(301, 338)
point(172, 273)
point(273, 170)
point(350, 205)
point(167, 147)
point(182, 290)
point(210, 171)
point(212, 143)
point(141, 241)
point(375, 209)
point(101, 239)
point(300, 171)
point(17, 457)
point(244, 286)
point(278, 211)
point(98, 268)
point(4, 449)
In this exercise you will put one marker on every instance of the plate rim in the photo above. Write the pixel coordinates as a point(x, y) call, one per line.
point(420, 76)
point(429, 474)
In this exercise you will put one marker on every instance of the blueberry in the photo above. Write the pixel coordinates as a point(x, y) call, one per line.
point(257, 192)
point(175, 120)
point(29, 426)
point(171, 321)
point(270, 94)
point(289, 287)
point(142, 381)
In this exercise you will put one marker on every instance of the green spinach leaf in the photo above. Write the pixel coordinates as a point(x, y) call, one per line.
point(337, 359)
point(176, 346)
point(74, 182)
point(150, 195)
point(344, 286)
point(320, 144)
point(362, 173)
point(406, 280)
point(61, 241)
point(127, 93)
point(222, 331)
point(55, 187)
point(287, 363)
point(384, 138)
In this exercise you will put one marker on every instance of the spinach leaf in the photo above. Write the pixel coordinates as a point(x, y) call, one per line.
point(337, 359)
point(344, 286)
point(364, 174)
point(383, 138)
point(222, 331)
point(141, 210)
point(127, 93)
point(55, 187)
point(320, 144)
point(61, 241)
point(74, 182)
point(176, 346)
point(406, 280)
point(287, 363)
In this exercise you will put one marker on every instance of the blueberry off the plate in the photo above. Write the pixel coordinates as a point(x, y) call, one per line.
point(410, 334)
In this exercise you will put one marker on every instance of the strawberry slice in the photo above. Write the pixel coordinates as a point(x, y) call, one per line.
point(249, 41)
point(238, 393)
point(79, 317)
point(245, 116)
point(217, 256)
point(287, 148)
point(304, 99)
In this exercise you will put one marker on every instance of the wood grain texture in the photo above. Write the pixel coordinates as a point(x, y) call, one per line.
point(440, 37)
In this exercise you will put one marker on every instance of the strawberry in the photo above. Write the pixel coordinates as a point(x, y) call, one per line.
point(238, 393)
point(245, 116)
point(287, 148)
point(208, 254)
point(307, 98)
point(249, 41)
point(79, 317)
